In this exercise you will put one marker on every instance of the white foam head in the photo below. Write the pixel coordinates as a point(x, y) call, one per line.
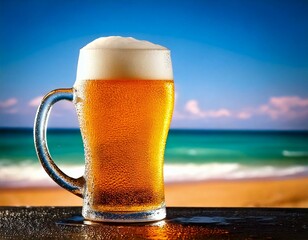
point(110, 58)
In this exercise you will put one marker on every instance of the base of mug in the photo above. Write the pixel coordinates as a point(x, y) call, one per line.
point(147, 216)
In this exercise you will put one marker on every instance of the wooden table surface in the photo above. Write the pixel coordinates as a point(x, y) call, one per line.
point(181, 223)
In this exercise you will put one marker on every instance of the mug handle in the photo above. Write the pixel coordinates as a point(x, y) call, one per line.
point(40, 125)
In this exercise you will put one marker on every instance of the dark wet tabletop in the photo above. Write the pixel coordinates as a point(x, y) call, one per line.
point(181, 223)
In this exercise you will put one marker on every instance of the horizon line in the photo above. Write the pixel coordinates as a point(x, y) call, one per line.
point(172, 129)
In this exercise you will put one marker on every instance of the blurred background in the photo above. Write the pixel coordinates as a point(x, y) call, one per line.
point(241, 80)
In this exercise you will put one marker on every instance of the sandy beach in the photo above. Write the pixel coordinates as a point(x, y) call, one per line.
point(252, 193)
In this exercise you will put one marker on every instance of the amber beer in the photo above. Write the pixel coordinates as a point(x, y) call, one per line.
point(124, 124)
point(124, 96)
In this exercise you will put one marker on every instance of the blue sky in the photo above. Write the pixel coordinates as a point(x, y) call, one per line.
point(237, 64)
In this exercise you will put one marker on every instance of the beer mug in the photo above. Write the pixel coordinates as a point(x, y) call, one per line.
point(124, 97)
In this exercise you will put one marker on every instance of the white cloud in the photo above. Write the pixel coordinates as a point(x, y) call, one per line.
point(60, 108)
point(35, 102)
point(244, 115)
point(8, 103)
point(9, 106)
point(176, 96)
point(192, 107)
point(285, 107)
point(223, 112)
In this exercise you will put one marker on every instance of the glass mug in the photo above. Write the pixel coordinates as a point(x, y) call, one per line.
point(124, 97)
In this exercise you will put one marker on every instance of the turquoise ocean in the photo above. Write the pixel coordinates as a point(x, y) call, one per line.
point(191, 155)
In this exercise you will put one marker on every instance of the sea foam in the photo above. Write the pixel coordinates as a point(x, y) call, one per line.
point(33, 174)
